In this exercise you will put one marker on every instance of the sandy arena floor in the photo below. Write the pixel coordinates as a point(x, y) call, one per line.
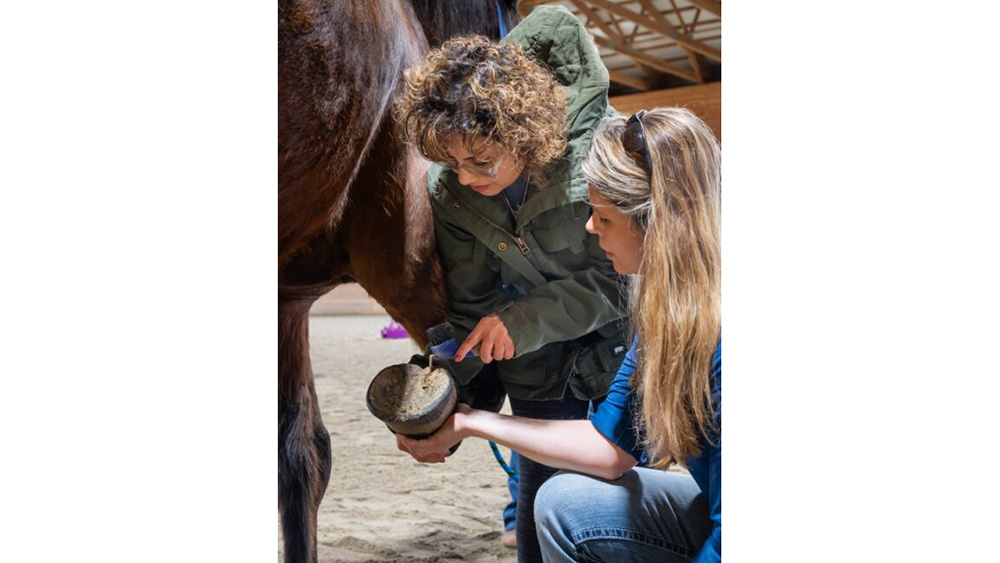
point(381, 505)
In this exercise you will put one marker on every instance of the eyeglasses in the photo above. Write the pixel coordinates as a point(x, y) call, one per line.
point(490, 171)
point(634, 141)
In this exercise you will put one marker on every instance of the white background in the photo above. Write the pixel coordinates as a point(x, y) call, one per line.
point(138, 220)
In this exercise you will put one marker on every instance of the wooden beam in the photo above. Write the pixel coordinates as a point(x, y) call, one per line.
point(524, 7)
point(694, 20)
point(705, 100)
point(621, 32)
point(595, 17)
point(691, 55)
point(646, 60)
point(680, 18)
point(631, 36)
point(631, 81)
point(708, 6)
point(669, 31)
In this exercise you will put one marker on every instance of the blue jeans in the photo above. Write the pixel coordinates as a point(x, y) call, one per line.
point(645, 515)
point(533, 474)
point(510, 511)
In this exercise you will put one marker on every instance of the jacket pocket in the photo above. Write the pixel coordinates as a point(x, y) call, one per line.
point(559, 239)
point(600, 356)
point(534, 369)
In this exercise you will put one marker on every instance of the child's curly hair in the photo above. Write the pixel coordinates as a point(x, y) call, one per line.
point(471, 86)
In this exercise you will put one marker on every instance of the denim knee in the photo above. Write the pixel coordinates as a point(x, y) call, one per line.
point(551, 527)
point(645, 515)
point(561, 504)
point(550, 495)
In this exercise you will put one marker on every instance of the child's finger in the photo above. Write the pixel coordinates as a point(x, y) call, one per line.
point(467, 345)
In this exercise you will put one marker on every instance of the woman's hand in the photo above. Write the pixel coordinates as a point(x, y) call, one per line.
point(437, 447)
point(493, 339)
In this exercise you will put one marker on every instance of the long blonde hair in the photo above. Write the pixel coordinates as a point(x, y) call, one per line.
point(676, 297)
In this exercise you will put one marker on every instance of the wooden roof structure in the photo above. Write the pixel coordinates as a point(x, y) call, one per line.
point(651, 44)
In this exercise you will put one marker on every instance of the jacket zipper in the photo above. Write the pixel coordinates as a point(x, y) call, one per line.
point(520, 241)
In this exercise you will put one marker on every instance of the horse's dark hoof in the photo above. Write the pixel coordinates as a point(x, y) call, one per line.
point(412, 401)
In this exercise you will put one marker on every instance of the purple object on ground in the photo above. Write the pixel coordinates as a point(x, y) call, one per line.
point(394, 330)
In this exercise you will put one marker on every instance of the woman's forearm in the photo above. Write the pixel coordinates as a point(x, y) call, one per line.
point(564, 444)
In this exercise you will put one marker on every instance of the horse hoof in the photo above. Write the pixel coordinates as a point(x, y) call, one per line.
point(412, 401)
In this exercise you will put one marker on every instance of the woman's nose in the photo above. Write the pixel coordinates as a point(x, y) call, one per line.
point(465, 177)
point(590, 226)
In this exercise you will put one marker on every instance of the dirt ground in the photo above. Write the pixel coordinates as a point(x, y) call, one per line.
point(381, 505)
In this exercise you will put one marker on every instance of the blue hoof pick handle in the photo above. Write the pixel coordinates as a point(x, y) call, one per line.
point(443, 343)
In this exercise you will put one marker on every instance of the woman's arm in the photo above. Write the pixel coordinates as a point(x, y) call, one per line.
point(564, 444)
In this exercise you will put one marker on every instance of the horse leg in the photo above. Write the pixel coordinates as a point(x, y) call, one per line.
point(304, 454)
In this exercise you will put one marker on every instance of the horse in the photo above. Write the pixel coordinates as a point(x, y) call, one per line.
point(352, 201)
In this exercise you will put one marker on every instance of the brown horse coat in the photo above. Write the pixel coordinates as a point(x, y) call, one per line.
point(352, 201)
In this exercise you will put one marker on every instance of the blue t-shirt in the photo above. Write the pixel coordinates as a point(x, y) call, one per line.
point(614, 419)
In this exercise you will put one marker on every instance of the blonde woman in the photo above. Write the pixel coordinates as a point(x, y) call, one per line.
point(655, 190)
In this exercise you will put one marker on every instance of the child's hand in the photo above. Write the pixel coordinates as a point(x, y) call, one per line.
point(492, 338)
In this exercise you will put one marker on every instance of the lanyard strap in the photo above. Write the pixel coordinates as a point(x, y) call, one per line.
point(500, 20)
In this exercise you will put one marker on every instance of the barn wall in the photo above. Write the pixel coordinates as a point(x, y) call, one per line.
point(705, 100)
point(347, 299)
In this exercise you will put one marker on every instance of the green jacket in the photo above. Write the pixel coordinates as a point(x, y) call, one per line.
point(560, 298)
